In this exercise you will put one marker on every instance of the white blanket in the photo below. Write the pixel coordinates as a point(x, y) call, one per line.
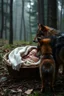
point(16, 59)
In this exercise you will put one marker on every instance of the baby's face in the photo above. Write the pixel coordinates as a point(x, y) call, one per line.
point(33, 52)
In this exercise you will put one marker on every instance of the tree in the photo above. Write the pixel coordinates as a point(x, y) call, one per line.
point(5, 25)
point(52, 13)
point(2, 21)
point(16, 11)
point(23, 32)
point(41, 11)
point(32, 17)
point(11, 23)
point(30, 21)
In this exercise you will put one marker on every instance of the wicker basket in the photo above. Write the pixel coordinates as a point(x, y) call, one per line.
point(25, 72)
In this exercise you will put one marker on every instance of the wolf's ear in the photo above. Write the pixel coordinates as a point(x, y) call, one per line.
point(43, 27)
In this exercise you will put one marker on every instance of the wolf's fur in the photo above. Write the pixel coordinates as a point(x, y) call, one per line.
point(47, 65)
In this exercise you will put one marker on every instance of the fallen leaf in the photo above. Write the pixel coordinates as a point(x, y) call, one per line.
point(13, 91)
point(28, 91)
point(3, 79)
point(19, 90)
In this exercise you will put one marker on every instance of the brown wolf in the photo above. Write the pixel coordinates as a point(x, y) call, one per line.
point(47, 65)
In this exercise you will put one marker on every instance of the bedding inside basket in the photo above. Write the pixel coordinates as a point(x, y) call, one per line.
point(25, 55)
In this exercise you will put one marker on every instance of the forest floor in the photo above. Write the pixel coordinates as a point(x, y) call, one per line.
point(11, 87)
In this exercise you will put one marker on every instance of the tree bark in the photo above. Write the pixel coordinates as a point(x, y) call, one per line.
point(41, 11)
point(52, 13)
point(23, 23)
point(6, 22)
point(11, 23)
point(2, 21)
point(30, 22)
point(16, 18)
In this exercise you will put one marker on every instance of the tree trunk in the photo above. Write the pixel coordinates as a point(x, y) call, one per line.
point(11, 23)
point(61, 16)
point(23, 23)
point(41, 11)
point(6, 22)
point(2, 16)
point(30, 22)
point(15, 19)
point(52, 13)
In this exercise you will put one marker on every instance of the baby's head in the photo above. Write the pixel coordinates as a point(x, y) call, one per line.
point(33, 52)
